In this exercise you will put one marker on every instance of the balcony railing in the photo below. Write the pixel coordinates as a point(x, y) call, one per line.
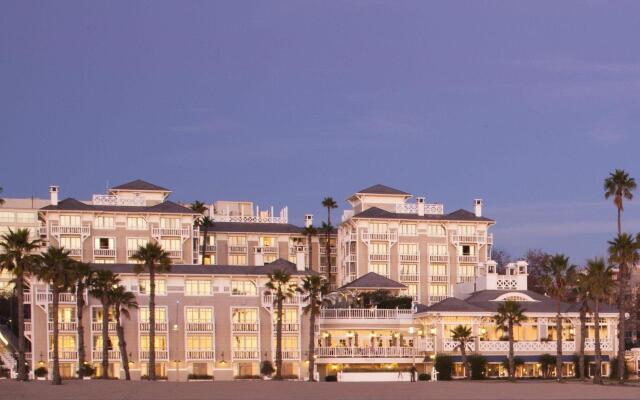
point(199, 326)
point(160, 354)
point(352, 258)
point(287, 327)
point(437, 298)
point(237, 249)
point(268, 299)
point(409, 257)
point(182, 232)
point(210, 248)
point(605, 344)
point(439, 278)
point(465, 278)
point(378, 257)
point(201, 354)
point(104, 252)
point(97, 326)
point(290, 354)
point(295, 249)
point(323, 268)
point(266, 249)
point(70, 230)
point(245, 327)
point(365, 313)
point(26, 298)
point(160, 326)
point(245, 354)
point(75, 252)
point(47, 298)
point(468, 259)
point(114, 355)
point(409, 277)
point(323, 250)
point(439, 258)
point(27, 326)
point(175, 253)
point(65, 355)
point(372, 352)
point(64, 326)
point(386, 236)
point(523, 346)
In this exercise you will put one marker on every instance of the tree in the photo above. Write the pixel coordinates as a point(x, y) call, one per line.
point(510, 314)
point(309, 231)
point(327, 229)
point(313, 290)
point(620, 186)
point(1, 199)
point(581, 295)
point(55, 269)
point(205, 223)
point(623, 251)
point(599, 284)
point(198, 207)
point(101, 285)
point(121, 302)
point(81, 278)
point(462, 335)
point(17, 258)
point(501, 257)
point(558, 279)
point(153, 259)
point(329, 203)
point(537, 259)
point(282, 288)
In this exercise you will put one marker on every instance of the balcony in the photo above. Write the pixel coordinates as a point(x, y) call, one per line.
point(131, 252)
point(63, 298)
point(75, 252)
point(104, 252)
point(70, 230)
point(386, 236)
point(65, 355)
point(605, 344)
point(160, 326)
point(378, 257)
point(437, 298)
point(266, 249)
point(409, 257)
point(71, 326)
point(323, 250)
point(160, 355)
point(290, 354)
point(366, 313)
point(201, 354)
point(373, 352)
point(409, 278)
point(466, 279)
point(295, 249)
point(245, 354)
point(467, 259)
point(524, 346)
point(352, 258)
point(323, 269)
point(26, 298)
point(114, 355)
point(287, 327)
point(237, 249)
point(245, 327)
point(175, 253)
point(439, 278)
point(181, 232)
point(268, 299)
point(440, 258)
point(97, 326)
point(199, 327)
point(210, 248)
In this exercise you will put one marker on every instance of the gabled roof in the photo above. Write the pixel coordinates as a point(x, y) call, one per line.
point(459, 215)
point(139, 184)
point(69, 204)
point(167, 207)
point(453, 304)
point(373, 281)
point(250, 227)
point(382, 189)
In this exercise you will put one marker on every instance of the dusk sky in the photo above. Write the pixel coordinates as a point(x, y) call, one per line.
point(525, 105)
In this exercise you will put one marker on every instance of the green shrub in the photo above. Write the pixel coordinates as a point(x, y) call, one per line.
point(87, 370)
point(248, 377)
point(613, 369)
point(478, 364)
point(424, 377)
point(290, 376)
point(331, 378)
point(199, 376)
point(444, 366)
point(266, 368)
point(41, 372)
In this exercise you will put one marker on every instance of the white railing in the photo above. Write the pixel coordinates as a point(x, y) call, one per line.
point(523, 346)
point(201, 354)
point(286, 327)
point(323, 250)
point(465, 278)
point(75, 252)
point(452, 345)
point(113, 355)
point(182, 232)
point(199, 326)
point(351, 237)
point(175, 253)
point(160, 354)
point(371, 352)
point(352, 258)
point(437, 298)
point(70, 230)
point(323, 268)
point(295, 249)
point(245, 354)
point(605, 344)
point(412, 208)
point(71, 326)
point(410, 257)
point(266, 249)
point(210, 248)
point(439, 278)
point(290, 354)
point(245, 327)
point(249, 218)
point(64, 355)
point(494, 345)
point(378, 257)
point(26, 297)
point(104, 252)
point(439, 258)
point(387, 236)
point(237, 249)
point(365, 313)
point(268, 299)
point(131, 252)
point(113, 200)
point(97, 326)
point(409, 277)
point(64, 298)
point(160, 326)
point(27, 326)
point(468, 259)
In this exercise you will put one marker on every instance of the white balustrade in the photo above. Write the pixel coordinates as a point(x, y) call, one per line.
point(113, 200)
point(249, 218)
point(182, 232)
point(245, 354)
point(386, 236)
point(160, 326)
point(70, 230)
point(437, 298)
point(266, 249)
point(160, 354)
point(175, 253)
point(290, 354)
point(104, 252)
point(245, 327)
point(465, 278)
point(201, 354)
point(199, 327)
point(26, 297)
point(605, 344)
point(412, 208)
point(237, 249)
point(287, 327)
point(268, 299)
point(409, 278)
point(440, 258)
point(113, 355)
point(65, 355)
point(97, 326)
point(75, 252)
point(410, 257)
point(365, 313)
point(211, 248)
point(70, 326)
point(378, 257)
point(439, 278)
point(468, 259)
point(372, 352)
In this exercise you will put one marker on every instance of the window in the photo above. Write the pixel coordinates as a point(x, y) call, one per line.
point(408, 229)
point(408, 269)
point(161, 288)
point(244, 315)
point(199, 314)
point(378, 227)
point(243, 288)
point(103, 222)
point(408, 248)
point(439, 270)
point(70, 220)
point(96, 314)
point(438, 290)
point(289, 316)
point(210, 259)
point(466, 250)
point(199, 342)
point(197, 287)
point(267, 258)
point(237, 241)
point(112, 343)
point(269, 241)
point(438, 250)
point(466, 230)
point(466, 270)
point(103, 243)
point(71, 242)
point(171, 244)
point(6, 216)
point(436, 230)
point(170, 223)
point(160, 342)
point(288, 342)
point(237, 259)
point(379, 248)
point(104, 261)
point(65, 342)
point(133, 244)
point(161, 314)
point(137, 223)
point(379, 268)
point(65, 314)
point(249, 342)
point(411, 290)
point(26, 217)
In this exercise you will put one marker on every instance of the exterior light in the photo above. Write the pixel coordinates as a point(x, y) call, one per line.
point(420, 332)
point(433, 331)
point(175, 327)
point(483, 330)
point(396, 334)
point(334, 367)
point(349, 334)
point(315, 356)
point(412, 330)
point(325, 334)
point(572, 331)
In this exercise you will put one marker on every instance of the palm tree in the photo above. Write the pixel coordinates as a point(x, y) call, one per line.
point(81, 277)
point(102, 283)
point(327, 229)
point(309, 231)
point(623, 251)
point(153, 259)
point(581, 295)
point(204, 224)
point(510, 314)
point(1, 199)
point(600, 284)
point(329, 203)
point(122, 301)
point(55, 269)
point(559, 275)
point(462, 335)
point(16, 257)
point(620, 186)
point(313, 290)
point(280, 284)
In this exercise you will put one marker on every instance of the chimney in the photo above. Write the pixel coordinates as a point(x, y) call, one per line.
point(53, 194)
point(420, 205)
point(258, 257)
point(300, 264)
point(477, 207)
point(308, 220)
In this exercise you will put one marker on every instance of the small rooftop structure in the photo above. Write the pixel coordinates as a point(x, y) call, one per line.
point(243, 211)
point(487, 278)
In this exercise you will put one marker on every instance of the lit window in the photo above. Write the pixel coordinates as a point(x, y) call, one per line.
point(243, 288)
point(103, 222)
point(197, 287)
point(161, 286)
point(136, 223)
point(70, 220)
point(436, 230)
point(237, 259)
point(408, 229)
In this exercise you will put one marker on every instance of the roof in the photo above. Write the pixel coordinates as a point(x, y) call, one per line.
point(166, 207)
point(382, 189)
point(373, 281)
point(139, 184)
point(453, 304)
point(459, 215)
point(197, 269)
point(251, 227)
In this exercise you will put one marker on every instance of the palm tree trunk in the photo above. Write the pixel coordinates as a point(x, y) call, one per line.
point(465, 362)
point(204, 245)
point(122, 345)
point(312, 342)
point(622, 296)
point(558, 343)
point(279, 338)
point(152, 324)
point(22, 364)
point(80, 329)
point(512, 367)
point(56, 333)
point(619, 221)
point(597, 377)
point(583, 333)
point(105, 338)
point(328, 245)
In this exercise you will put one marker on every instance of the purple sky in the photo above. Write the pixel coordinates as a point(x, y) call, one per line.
point(527, 106)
